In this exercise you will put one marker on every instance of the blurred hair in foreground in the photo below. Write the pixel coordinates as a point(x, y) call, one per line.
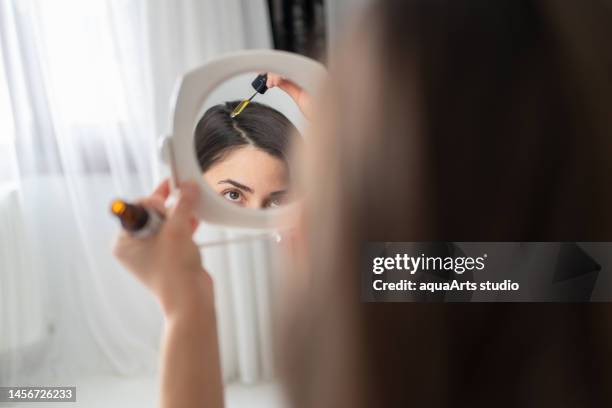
point(483, 121)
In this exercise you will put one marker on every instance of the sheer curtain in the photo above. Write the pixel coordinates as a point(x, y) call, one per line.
point(84, 93)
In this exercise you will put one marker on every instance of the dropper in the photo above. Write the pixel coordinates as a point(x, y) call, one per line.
point(259, 84)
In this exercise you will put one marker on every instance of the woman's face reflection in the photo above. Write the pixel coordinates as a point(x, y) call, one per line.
point(244, 158)
point(250, 177)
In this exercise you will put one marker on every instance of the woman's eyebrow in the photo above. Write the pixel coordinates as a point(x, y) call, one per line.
point(237, 185)
point(277, 193)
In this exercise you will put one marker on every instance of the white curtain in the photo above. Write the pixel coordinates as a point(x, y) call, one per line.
point(84, 94)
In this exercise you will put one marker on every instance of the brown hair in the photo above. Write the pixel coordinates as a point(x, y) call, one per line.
point(480, 120)
point(259, 125)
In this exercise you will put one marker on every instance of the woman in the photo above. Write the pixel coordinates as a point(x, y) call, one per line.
point(488, 120)
point(245, 158)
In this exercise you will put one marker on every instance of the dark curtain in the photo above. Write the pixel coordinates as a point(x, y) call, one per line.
point(299, 26)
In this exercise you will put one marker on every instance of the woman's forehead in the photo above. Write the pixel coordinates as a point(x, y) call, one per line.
point(251, 167)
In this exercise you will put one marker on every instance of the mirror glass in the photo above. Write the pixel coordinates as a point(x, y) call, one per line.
point(246, 136)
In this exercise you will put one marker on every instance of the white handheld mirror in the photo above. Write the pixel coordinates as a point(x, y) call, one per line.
point(220, 203)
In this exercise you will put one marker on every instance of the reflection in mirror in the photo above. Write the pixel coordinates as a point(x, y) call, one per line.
point(245, 158)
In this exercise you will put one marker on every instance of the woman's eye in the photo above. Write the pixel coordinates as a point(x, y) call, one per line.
point(277, 202)
point(232, 195)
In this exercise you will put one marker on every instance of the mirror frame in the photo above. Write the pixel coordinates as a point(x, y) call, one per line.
point(192, 90)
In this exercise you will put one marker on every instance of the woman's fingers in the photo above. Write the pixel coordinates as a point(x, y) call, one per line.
point(182, 214)
point(291, 88)
point(299, 96)
point(157, 199)
point(156, 202)
point(162, 190)
point(195, 223)
point(273, 80)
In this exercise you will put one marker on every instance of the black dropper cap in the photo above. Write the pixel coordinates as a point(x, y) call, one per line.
point(259, 84)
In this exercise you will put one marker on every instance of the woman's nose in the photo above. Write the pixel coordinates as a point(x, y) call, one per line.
point(256, 203)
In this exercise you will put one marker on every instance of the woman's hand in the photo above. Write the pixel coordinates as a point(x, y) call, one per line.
point(299, 96)
point(169, 263)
